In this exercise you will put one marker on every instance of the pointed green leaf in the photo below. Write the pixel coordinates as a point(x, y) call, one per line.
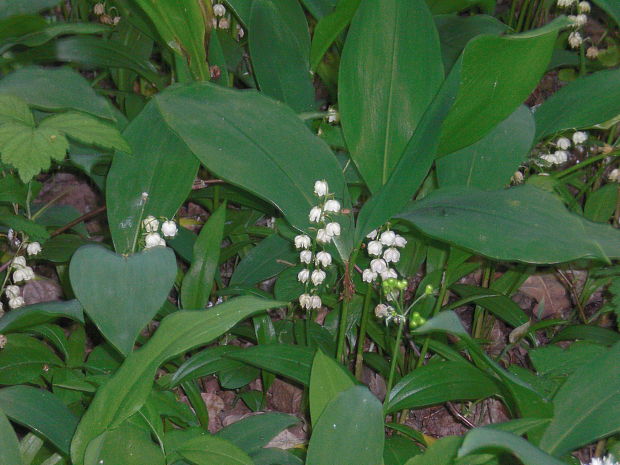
point(9, 446)
point(14, 109)
point(327, 380)
point(212, 450)
point(253, 433)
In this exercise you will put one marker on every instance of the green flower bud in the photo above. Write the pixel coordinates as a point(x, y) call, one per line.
point(401, 284)
point(392, 282)
point(428, 290)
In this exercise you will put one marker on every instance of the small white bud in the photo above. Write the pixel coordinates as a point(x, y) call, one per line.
point(333, 229)
point(316, 215)
point(219, 10)
point(99, 9)
point(315, 301)
point(517, 178)
point(389, 273)
point(153, 240)
point(391, 255)
point(323, 258)
point(388, 238)
point(302, 241)
point(303, 276)
point(150, 224)
point(561, 156)
point(368, 276)
point(3, 341)
point(580, 137)
point(321, 189)
point(224, 23)
point(333, 117)
point(169, 228)
point(305, 256)
point(584, 7)
point(375, 248)
point(305, 300)
point(240, 32)
point(382, 310)
point(563, 143)
point(592, 52)
point(575, 39)
point(12, 291)
point(116, 20)
point(372, 234)
point(318, 276)
point(332, 206)
point(18, 262)
point(614, 176)
point(322, 236)
point(400, 241)
point(378, 265)
point(16, 302)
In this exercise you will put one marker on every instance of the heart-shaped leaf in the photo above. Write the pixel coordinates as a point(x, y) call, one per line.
point(122, 294)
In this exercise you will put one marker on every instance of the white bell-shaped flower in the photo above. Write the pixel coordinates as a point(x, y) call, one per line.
point(378, 265)
point(315, 301)
point(333, 229)
point(400, 241)
point(322, 236)
point(321, 189)
point(16, 302)
point(614, 175)
point(389, 273)
point(323, 258)
point(302, 241)
point(391, 255)
point(316, 215)
point(12, 291)
point(150, 224)
point(372, 234)
point(382, 310)
point(169, 228)
point(34, 248)
point(303, 276)
point(575, 40)
point(224, 23)
point(563, 143)
point(332, 206)
point(318, 276)
point(584, 7)
point(580, 137)
point(305, 300)
point(153, 240)
point(388, 238)
point(18, 262)
point(375, 248)
point(219, 9)
point(305, 256)
point(368, 276)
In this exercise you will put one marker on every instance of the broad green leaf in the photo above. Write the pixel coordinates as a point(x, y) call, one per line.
point(198, 280)
point(212, 450)
point(241, 9)
point(9, 445)
point(279, 46)
point(601, 203)
point(264, 261)
point(19, 7)
point(398, 450)
point(253, 433)
point(181, 25)
point(496, 76)
point(31, 150)
point(587, 406)
point(557, 362)
point(25, 358)
point(327, 380)
point(319, 8)
point(129, 444)
point(588, 333)
point(489, 440)
point(59, 249)
point(278, 159)
point(611, 8)
point(495, 302)
point(441, 452)
point(122, 294)
point(87, 129)
point(329, 28)
point(35, 231)
point(384, 89)
point(14, 109)
point(489, 163)
point(439, 7)
point(583, 103)
point(55, 90)
point(156, 153)
point(273, 455)
point(290, 361)
point(437, 383)
point(42, 412)
point(20, 24)
point(51, 31)
point(350, 430)
point(126, 392)
point(37, 314)
point(204, 363)
point(511, 225)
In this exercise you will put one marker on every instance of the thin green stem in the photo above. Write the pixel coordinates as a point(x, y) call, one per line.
point(342, 330)
point(479, 313)
point(438, 304)
point(585, 163)
point(394, 362)
point(359, 358)
point(195, 399)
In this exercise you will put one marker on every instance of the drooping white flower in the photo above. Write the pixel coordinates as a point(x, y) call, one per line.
point(323, 258)
point(240, 32)
point(315, 301)
point(575, 40)
point(302, 241)
point(332, 206)
point(382, 310)
point(321, 189)
point(378, 265)
point(400, 241)
point(153, 240)
point(556, 158)
point(23, 274)
point(580, 137)
point(303, 276)
point(368, 276)
point(592, 52)
point(375, 248)
point(391, 255)
point(219, 9)
point(3, 341)
point(578, 20)
point(16, 302)
point(305, 256)
point(332, 115)
point(305, 300)
point(563, 143)
point(517, 178)
point(316, 214)
point(322, 236)
point(614, 176)
point(224, 23)
point(11, 291)
point(388, 238)
point(99, 9)
point(584, 7)
point(18, 262)
point(389, 273)
point(150, 224)
point(565, 3)
point(372, 234)
point(608, 460)
point(318, 276)
point(333, 229)
point(169, 228)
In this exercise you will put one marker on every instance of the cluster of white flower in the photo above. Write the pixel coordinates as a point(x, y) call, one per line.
point(608, 460)
point(99, 10)
point(321, 214)
point(563, 144)
point(379, 266)
point(578, 20)
point(21, 274)
point(152, 238)
point(222, 20)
